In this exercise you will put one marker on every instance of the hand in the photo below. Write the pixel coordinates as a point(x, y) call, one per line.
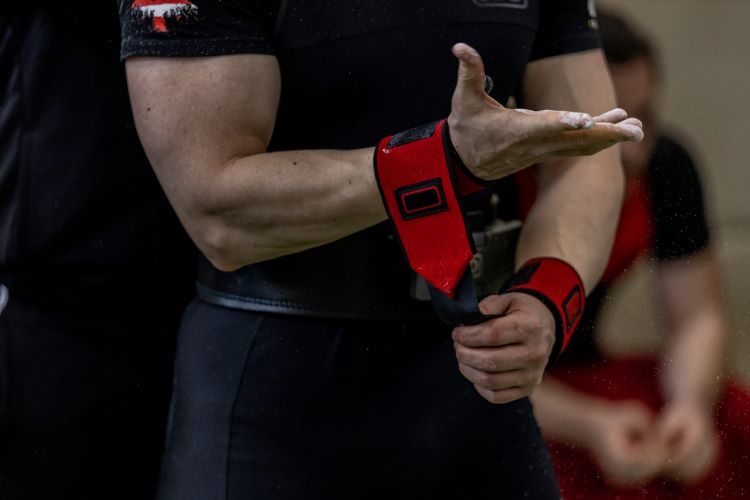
point(624, 444)
point(494, 141)
point(505, 357)
point(687, 434)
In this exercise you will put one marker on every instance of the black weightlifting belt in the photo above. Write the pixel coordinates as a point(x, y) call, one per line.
point(363, 276)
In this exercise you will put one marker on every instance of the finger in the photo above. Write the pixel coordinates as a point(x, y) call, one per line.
point(498, 381)
point(612, 116)
point(493, 333)
point(587, 142)
point(493, 359)
point(632, 121)
point(630, 133)
point(544, 123)
point(613, 131)
point(495, 305)
point(501, 396)
point(471, 82)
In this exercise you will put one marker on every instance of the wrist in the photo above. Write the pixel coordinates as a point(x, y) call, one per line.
point(693, 405)
point(594, 416)
point(460, 137)
point(559, 287)
point(466, 181)
point(417, 182)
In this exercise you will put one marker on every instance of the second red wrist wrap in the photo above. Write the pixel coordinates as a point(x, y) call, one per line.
point(559, 287)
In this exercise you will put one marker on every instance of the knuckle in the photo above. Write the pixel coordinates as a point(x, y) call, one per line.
point(538, 354)
point(460, 350)
point(526, 355)
point(524, 392)
point(461, 356)
point(494, 334)
point(534, 323)
point(494, 363)
point(533, 379)
point(484, 379)
point(512, 323)
point(528, 381)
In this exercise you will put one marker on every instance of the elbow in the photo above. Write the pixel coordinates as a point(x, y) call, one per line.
point(217, 241)
point(224, 264)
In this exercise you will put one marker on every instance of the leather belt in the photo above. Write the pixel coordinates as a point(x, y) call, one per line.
point(341, 280)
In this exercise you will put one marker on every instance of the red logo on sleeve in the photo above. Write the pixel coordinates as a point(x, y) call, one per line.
point(159, 10)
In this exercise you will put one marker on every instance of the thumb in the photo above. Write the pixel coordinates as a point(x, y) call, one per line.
point(496, 304)
point(667, 425)
point(638, 419)
point(471, 83)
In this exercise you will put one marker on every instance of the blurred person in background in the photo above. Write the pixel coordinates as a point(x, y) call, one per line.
point(651, 427)
point(94, 266)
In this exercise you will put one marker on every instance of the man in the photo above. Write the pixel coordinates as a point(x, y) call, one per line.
point(655, 428)
point(94, 266)
point(306, 369)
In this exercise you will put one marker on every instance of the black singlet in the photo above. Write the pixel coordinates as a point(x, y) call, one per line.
point(283, 406)
point(353, 72)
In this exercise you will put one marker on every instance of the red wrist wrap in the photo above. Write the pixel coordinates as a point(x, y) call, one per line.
point(558, 286)
point(417, 173)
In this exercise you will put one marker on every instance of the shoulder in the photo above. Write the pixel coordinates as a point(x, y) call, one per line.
point(671, 156)
point(672, 168)
point(677, 201)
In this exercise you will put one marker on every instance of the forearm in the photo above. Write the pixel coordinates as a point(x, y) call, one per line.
point(564, 413)
point(694, 362)
point(579, 199)
point(575, 215)
point(266, 205)
point(695, 357)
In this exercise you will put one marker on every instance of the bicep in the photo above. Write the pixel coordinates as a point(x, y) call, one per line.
point(578, 82)
point(196, 115)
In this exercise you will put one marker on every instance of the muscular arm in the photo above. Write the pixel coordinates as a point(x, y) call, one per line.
point(696, 347)
point(579, 198)
point(574, 218)
point(205, 124)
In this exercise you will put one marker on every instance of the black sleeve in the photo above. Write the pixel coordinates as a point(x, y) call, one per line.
point(565, 26)
point(189, 28)
point(680, 222)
